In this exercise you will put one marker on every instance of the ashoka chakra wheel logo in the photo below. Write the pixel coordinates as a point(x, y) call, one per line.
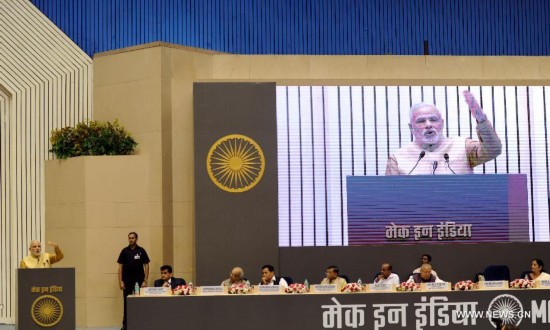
point(507, 308)
point(235, 163)
point(47, 311)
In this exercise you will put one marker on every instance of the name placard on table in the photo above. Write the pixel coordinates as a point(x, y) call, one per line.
point(435, 286)
point(542, 284)
point(320, 288)
point(493, 285)
point(381, 287)
point(211, 290)
point(155, 291)
point(268, 289)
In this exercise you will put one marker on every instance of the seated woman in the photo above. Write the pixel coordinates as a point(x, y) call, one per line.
point(537, 271)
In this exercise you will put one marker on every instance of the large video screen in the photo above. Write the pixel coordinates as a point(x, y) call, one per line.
point(328, 135)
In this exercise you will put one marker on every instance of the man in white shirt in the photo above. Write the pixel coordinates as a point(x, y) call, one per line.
point(386, 276)
point(268, 277)
point(432, 152)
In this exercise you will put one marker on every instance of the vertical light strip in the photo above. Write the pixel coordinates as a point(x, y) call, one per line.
point(5, 224)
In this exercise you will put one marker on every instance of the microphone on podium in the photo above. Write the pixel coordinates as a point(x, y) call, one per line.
point(446, 156)
point(434, 167)
point(422, 154)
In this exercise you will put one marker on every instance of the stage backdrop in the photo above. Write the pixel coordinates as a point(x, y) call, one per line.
point(235, 179)
point(255, 163)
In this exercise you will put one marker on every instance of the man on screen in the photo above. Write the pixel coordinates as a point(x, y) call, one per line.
point(433, 153)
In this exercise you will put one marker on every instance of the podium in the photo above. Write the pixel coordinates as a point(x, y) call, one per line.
point(437, 209)
point(46, 298)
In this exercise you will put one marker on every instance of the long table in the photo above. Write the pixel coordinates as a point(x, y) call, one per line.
point(528, 308)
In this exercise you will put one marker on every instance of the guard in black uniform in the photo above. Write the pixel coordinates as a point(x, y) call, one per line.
point(133, 267)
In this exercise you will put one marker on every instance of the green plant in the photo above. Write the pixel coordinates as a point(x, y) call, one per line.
point(91, 138)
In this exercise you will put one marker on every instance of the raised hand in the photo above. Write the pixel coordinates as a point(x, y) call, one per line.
point(475, 109)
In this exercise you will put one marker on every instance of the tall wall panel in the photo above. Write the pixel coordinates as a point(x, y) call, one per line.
point(366, 27)
point(45, 83)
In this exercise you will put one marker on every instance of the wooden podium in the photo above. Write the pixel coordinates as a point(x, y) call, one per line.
point(46, 298)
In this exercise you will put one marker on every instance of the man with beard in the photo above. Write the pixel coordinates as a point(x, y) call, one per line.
point(433, 153)
point(37, 259)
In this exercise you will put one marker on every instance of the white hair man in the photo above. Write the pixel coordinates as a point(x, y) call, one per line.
point(431, 152)
point(37, 259)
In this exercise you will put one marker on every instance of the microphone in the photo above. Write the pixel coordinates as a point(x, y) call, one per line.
point(434, 166)
point(446, 156)
point(422, 154)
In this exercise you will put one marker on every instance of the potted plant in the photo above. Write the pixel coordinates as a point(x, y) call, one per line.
point(92, 138)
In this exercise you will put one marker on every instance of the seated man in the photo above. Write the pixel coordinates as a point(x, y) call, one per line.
point(166, 279)
point(236, 276)
point(386, 275)
point(268, 277)
point(425, 275)
point(426, 259)
point(37, 259)
point(333, 278)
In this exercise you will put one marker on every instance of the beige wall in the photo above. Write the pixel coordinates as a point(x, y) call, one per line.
point(149, 89)
point(92, 203)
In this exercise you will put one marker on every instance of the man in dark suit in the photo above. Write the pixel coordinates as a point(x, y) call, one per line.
point(166, 278)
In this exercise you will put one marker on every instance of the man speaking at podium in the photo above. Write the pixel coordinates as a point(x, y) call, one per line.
point(433, 153)
point(37, 259)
